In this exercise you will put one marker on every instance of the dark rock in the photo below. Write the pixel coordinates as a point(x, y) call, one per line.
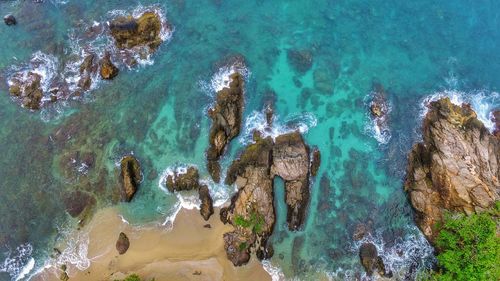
point(188, 180)
point(77, 201)
point(207, 225)
point(455, 169)
point(27, 89)
point(88, 68)
point(368, 256)
point(496, 120)
point(131, 176)
point(300, 60)
point(206, 207)
point(130, 32)
point(323, 81)
point(107, 70)
point(315, 162)
point(9, 20)
point(226, 122)
point(237, 249)
point(122, 244)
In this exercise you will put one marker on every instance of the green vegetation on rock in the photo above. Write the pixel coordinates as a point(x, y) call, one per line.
point(255, 222)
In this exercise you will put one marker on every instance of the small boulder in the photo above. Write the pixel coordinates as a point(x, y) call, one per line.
point(206, 207)
point(122, 244)
point(10, 20)
point(107, 70)
point(131, 176)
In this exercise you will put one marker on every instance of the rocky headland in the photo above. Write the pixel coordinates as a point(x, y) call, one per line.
point(455, 169)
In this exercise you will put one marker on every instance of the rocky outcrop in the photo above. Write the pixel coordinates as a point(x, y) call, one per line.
point(251, 211)
point(455, 168)
point(183, 180)
point(107, 69)
point(315, 162)
point(9, 20)
point(226, 118)
point(87, 69)
point(130, 32)
point(27, 88)
point(379, 108)
point(131, 176)
point(122, 244)
point(496, 120)
point(371, 261)
point(206, 207)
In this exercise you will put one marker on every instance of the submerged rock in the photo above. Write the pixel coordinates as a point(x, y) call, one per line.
point(300, 60)
point(456, 168)
point(206, 207)
point(226, 122)
point(122, 244)
point(182, 181)
point(131, 176)
point(9, 20)
point(27, 88)
point(252, 211)
point(107, 70)
point(77, 202)
point(315, 161)
point(130, 32)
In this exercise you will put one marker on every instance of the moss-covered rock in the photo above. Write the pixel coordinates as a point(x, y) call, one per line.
point(107, 69)
point(130, 32)
point(27, 88)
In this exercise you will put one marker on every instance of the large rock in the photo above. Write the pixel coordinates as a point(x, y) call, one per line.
point(9, 20)
point(131, 176)
point(455, 168)
point(371, 261)
point(226, 118)
point(122, 244)
point(107, 70)
point(27, 88)
point(130, 32)
point(206, 207)
point(183, 180)
point(87, 70)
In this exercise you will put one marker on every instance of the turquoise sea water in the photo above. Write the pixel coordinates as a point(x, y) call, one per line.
point(415, 49)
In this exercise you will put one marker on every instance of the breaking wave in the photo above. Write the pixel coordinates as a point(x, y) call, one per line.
point(19, 262)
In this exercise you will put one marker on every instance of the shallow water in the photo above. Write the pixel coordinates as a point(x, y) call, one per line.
point(157, 111)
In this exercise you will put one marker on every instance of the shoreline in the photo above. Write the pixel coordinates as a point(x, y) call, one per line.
point(186, 251)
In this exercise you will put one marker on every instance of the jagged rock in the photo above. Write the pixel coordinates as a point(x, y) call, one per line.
point(226, 122)
point(206, 207)
point(130, 32)
point(122, 244)
point(182, 181)
point(371, 261)
point(27, 88)
point(9, 20)
point(87, 69)
point(315, 161)
point(455, 168)
point(237, 249)
point(131, 176)
point(300, 60)
point(107, 70)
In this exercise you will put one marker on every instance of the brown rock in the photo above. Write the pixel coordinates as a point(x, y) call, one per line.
point(315, 162)
point(122, 244)
point(27, 88)
point(9, 20)
point(107, 70)
point(206, 207)
point(131, 176)
point(87, 69)
point(456, 168)
point(226, 122)
point(496, 119)
point(181, 181)
point(130, 32)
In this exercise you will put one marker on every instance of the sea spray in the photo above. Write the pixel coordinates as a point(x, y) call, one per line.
point(19, 262)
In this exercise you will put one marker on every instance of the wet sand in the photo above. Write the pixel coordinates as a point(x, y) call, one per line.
point(188, 251)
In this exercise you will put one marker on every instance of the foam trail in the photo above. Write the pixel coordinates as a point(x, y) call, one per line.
point(19, 262)
point(275, 272)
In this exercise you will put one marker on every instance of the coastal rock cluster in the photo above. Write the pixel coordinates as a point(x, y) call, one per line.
point(134, 37)
point(456, 168)
point(226, 118)
point(251, 211)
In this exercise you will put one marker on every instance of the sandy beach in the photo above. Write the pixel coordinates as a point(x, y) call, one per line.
point(188, 251)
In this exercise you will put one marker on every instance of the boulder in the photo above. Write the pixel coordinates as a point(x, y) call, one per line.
point(131, 176)
point(300, 60)
point(379, 107)
point(455, 168)
point(184, 180)
point(122, 244)
point(9, 20)
point(130, 32)
point(371, 261)
point(315, 161)
point(206, 207)
point(107, 70)
point(226, 118)
point(27, 88)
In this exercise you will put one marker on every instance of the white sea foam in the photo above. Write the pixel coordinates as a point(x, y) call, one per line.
point(275, 272)
point(257, 121)
point(222, 77)
point(19, 262)
point(483, 102)
point(377, 128)
point(76, 251)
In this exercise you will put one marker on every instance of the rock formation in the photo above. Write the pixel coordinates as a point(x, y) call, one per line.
point(87, 69)
point(496, 120)
point(226, 122)
point(371, 261)
point(107, 70)
point(456, 168)
point(130, 32)
point(315, 162)
point(182, 181)
point(122, 244)
point(251, 211)
point(379, 108)
point(9, 20)
point(27, 88)
point(206, 207)
point(131, 176)
point(300, 60)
